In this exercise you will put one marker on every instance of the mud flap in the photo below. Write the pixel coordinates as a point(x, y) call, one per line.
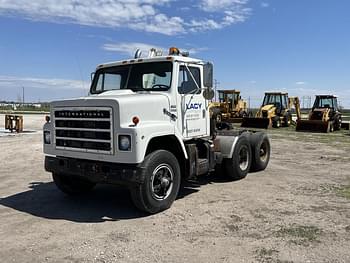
point(250, 122)
point(313, 126)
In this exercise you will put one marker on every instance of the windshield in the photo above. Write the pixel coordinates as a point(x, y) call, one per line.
point(325, 102)
point(137, 77)
point(277, 100)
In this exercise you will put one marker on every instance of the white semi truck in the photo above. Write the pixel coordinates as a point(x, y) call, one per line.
point(146, 124)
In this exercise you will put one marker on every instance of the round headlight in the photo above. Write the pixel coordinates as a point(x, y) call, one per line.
point(124, 142)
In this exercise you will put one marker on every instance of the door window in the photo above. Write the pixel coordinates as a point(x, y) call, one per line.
point(187, 83)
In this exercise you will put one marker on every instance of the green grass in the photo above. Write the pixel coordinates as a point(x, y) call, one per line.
point(299, 234)
point(344, 191)
point(266, 255)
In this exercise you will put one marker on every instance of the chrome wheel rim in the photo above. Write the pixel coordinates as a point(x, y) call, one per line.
point(263, 152)
point(162, 181)
point(243, 158)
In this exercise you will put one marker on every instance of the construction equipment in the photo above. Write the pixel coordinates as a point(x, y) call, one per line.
point(14, 123)
point(323, 117)
point(230, 107)
point(275, 111)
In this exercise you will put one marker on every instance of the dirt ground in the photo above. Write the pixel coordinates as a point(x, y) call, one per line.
point(297, 210)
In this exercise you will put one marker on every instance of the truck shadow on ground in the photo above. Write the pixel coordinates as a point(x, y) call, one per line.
point(104, 203)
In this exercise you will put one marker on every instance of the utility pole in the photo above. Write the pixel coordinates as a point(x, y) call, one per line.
point(216, 84)
point(22, 95)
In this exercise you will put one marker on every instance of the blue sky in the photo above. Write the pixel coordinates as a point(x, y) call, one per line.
point(51, 47)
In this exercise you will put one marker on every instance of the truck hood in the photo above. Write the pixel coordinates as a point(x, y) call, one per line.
point(126, 104)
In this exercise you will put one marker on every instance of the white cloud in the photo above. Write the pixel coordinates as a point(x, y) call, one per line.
point(142, 15)
point(10, 82)
point(217, 5)
point(264, 5)
point(300, 83)
point(226, 13)
point(129, 48)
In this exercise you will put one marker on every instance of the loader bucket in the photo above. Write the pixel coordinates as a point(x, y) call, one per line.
point(250, 122)
point(312, 126)
point(345, 125)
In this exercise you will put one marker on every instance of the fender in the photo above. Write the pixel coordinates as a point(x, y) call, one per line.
point(164, 139)
point(227, 145)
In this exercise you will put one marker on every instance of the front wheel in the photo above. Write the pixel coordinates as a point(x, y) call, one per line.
point(276, 123)
point(287, 120)
point(161, 184)
point(72, 185)
point(337, 123)
point(238, 166)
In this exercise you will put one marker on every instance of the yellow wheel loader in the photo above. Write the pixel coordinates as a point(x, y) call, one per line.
point(275, 111)
point(323, 117)
point(230, 107)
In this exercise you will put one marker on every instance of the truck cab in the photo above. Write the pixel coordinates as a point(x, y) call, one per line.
point(145, 124)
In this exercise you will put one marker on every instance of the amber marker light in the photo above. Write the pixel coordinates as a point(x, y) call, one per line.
point(174, 51)
point(135, 120)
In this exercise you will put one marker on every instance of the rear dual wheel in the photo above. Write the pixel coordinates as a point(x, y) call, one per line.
point(251, 154)
point(238, 166)
point(261, 150)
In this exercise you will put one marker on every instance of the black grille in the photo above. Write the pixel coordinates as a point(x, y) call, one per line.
point(83, 124)
point(84, 130)
point(104, 146)
point(84, 134)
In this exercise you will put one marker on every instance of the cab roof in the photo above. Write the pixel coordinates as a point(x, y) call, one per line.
point(276, 93)
point(327, 96)
point(229, 90)
point(170, 58)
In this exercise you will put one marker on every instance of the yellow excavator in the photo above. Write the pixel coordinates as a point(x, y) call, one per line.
point(230, 107)
point(275, 111)
point(323, 117)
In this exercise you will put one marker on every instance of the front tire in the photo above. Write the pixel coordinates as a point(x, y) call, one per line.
point(238, 166)
point(72, 185)
point(287, 120)
point(161, 184)
point(276, 123)
point(337, 123)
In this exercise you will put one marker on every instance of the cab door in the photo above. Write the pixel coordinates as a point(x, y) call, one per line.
point(193, 115)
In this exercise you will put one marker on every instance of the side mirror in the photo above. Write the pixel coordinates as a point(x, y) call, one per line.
point(208, 75)
point(92, 75)
point(208, 93)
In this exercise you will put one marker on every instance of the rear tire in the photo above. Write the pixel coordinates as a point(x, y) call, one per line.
point(72, 185)
point(161, 185)
point(261, 150)
point(238, 166)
